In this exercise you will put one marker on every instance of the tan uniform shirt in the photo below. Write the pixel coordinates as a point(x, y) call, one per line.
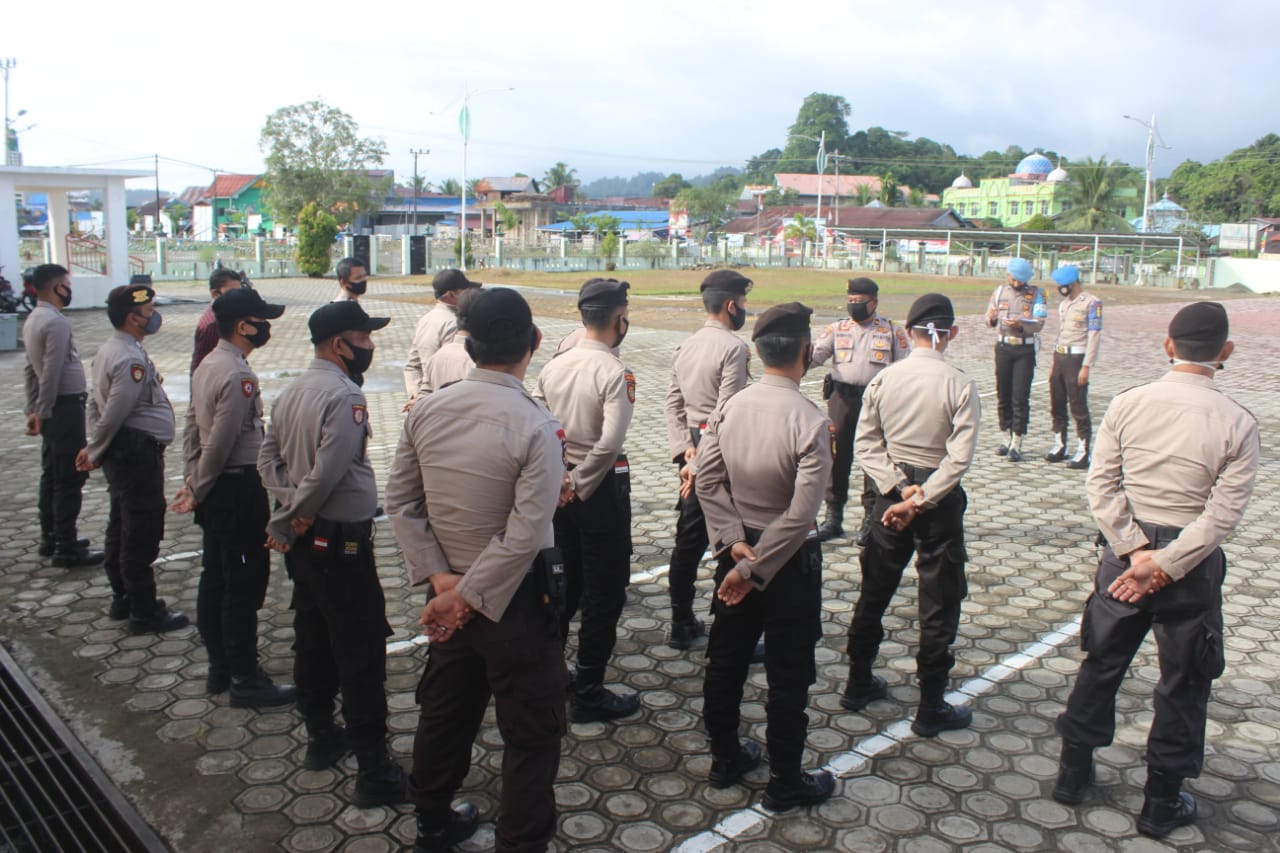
point(449, 364)
point(707, 369)
point(1028, 308)
point(434, 329)
point(127, 392)
point(921, 412)
point(474, 485)
point(53, 363)
point(861, 350)
point(224, 420)
point(1080, 325)
point(592, 393)
point(764, 463)
point(569, 341)
point(313, 458)
point(1179, 453)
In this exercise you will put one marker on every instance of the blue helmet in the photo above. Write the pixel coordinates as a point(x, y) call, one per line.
point(1020, 269)
point(1066, 275)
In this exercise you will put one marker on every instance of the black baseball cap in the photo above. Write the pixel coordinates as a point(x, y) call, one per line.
point(451, 279)
point(237, 304)
point(338, 317)
point(498, 315)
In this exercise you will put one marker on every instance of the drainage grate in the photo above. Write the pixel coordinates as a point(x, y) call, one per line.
point(53, 795)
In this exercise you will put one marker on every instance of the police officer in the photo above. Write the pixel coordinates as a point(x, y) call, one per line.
point(220, 446)
point(1017, 312)
point(761, 470)
point(1079, 334)
point(916, 438)
point(471, 495)
point(56, 393)
point(130, 424)
point(707, 369)
point(863, 345)
point(222, 281)
point(1166, 492)
point(436, 327)
point(593, 394)
point(452, 362)
point(315, 463)
point(353, 280)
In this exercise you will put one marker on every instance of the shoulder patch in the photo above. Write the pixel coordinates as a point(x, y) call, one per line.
point(246, 387)
point(631, 386)
point(137, 371)
point(359, 414)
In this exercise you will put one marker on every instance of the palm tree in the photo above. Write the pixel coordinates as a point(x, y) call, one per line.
point(1093, 192)
point(450, 186)
point(560, 175)
point(864, 194)
point(802, 229)
point(889, 195)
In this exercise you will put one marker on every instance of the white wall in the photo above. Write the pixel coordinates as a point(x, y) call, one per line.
point(1261, 275)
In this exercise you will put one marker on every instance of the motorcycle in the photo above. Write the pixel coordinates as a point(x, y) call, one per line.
point(12, 303)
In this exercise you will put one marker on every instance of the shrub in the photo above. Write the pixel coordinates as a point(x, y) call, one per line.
point(316, 231)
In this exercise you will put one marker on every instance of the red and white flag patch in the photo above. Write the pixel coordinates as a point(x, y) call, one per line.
point(359, 414)
point(246, 386)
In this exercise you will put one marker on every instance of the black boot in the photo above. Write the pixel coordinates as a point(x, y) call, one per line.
point(1080, 462)
point(859, 694)
point(595, 704)
point(935, 714)
point(864, 532)
point(158, 621)
point(1075, 772)
point(259, 691)
point(803, 789)
point(686, 631)
point(1059, 451)
point(727, 771)
point(833, 524)
point(48, 545)
point(74, 555)
point(218, 679)
point(1167, 806)
point(119, 609)
point(379, 782)
point(437, 835)
point(326, 744)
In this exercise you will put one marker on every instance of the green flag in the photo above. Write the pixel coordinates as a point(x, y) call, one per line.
point(821, 159)
point(464, 123)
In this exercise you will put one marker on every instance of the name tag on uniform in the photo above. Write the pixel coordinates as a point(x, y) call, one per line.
point(879, 342)
point(621, 467)
point(320, 544)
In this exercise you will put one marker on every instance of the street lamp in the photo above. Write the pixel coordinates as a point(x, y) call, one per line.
point(464, 125)
point(821, 161)
point(1152, 134)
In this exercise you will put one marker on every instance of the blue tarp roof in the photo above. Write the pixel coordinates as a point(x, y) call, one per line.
point(628, 220)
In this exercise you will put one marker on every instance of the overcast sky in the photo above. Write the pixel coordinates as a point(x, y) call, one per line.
point(617, 88)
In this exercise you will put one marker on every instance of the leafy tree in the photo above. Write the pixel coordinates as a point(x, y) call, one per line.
point(560, 175)
point(510, 221)
point(818, 114)
point(776, 197)
point(709, 207)
point(1242, 185)
point(178, 214)
point(609, 245)
point(471, 186)
point(316, 230)
point(762, 167)
point(863, 194)
point(581, 222)
point(801, 228)
point(131, 218)
point(457, 252)
point(915, 197)
point(450, 186)
point(315, 154)
point(889, 195)
point(1039, 222)
point(670, 186)
point(1093, 195)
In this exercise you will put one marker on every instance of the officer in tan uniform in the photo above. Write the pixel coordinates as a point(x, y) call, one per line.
point(593, 394)
point(761, 470)
point(452, 362)
point(916, 438)
point(707, 369)
point(436, 328)
point(130, 424)
point(220, 447)
point(471, 496)
point(1166, 491)
point(1079, 334)
point(315, 463)
point(1017, 312)
point(862, 346)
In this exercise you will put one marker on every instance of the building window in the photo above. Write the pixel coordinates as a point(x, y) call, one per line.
point(1013, 208)
point(1044, 207)
point(973, 208)
point(1028, 207)
point(993, 208)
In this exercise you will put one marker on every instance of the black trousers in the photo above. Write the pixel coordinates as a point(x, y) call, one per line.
point(1187, 619)
point(62, 435)
point(518, 660)
point(937, 539)
point(788, 612)
point(594, 535)
point(843, 408)
point(134, 466)
point(340, 633)
point(236, 568)
point(690, 544)
point(1015, 367)
point(1064, 390)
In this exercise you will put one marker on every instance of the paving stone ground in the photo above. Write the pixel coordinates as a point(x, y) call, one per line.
point(210, 777)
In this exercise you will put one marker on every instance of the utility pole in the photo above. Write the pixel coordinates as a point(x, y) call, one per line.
point(6, 65)
point(155, 225)
point(416, 152)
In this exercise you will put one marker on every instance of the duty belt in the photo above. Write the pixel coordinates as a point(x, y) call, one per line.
point(1006, 339)
point(914, 474)
point(1069, 350)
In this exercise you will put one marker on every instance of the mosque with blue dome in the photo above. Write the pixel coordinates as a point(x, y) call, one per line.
point(1036, 187)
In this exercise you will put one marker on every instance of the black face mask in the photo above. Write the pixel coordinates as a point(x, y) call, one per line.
point(624, 325)
point(859, 311)
point(261, 333)
point(64, 293)
point(358, 287)
point(358, 363)
point(737, 317)
point(1065, 291)
point(808, 358)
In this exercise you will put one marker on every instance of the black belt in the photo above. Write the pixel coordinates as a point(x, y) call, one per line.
point(325, 528)
point(79, 398)
point(1159, 534)
point(914, 475)
point(847, 389)
point(240, 470)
